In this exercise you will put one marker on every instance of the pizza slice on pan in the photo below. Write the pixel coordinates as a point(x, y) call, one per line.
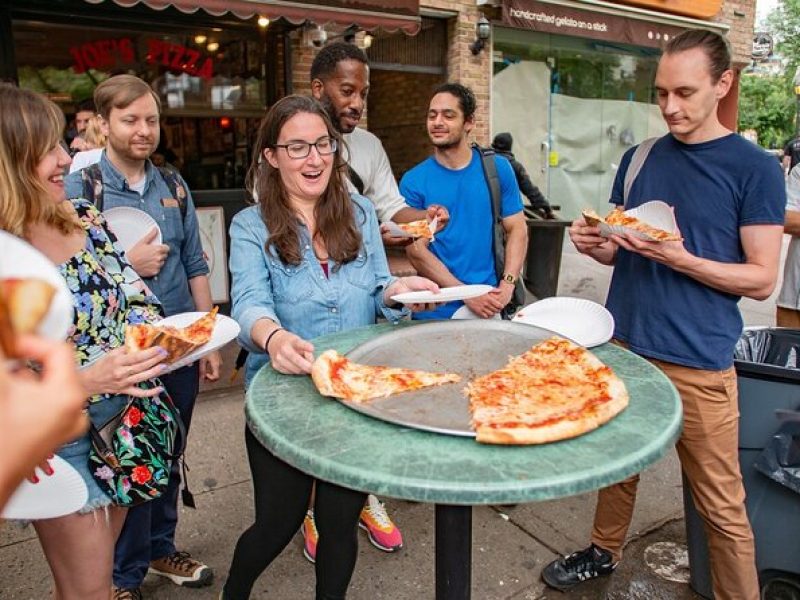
point(554, 391)
point(337, 376)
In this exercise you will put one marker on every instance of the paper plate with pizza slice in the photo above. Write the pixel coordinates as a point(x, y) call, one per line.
point(652, 221)
point(34, 297)
point(414, 229)
point(186, 337)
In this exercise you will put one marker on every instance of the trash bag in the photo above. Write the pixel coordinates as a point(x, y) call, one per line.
point(776, 347)
point(780, 460)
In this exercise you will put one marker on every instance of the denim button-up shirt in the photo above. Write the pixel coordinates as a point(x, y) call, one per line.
point(185, 259)
point(301, 298)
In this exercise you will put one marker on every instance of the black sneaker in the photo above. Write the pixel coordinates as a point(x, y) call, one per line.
point(569, 571)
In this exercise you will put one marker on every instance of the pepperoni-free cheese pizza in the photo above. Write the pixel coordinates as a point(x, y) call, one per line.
point(178, 342)
point(618, 217)
point(417, 229)
point(337, 376)
point(554, 391)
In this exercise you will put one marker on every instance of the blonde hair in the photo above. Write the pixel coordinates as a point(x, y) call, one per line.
point(30, 126)
point(121, 91)
point(93, 136)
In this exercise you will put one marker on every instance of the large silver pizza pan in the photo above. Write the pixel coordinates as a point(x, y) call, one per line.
point(468, 347)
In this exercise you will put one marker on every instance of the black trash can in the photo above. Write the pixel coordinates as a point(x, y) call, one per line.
point(543, 261)
point(768, 375)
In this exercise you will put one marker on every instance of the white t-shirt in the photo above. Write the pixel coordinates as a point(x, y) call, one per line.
point(789, 296)
point(366, 156)
point(83, 159)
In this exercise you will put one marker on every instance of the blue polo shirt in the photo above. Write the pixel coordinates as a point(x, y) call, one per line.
point(182, 234)
point(716, 188)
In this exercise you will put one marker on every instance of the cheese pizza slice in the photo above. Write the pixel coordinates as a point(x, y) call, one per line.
point(554, 391)
point(620, 218)
point(337, 376)
point(417, 229)
point(178, 342)
point(24, 303)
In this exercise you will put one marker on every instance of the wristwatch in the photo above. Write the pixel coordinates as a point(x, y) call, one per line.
point(508, 277)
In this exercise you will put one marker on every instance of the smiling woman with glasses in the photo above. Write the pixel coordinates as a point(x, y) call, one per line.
point(306, 261)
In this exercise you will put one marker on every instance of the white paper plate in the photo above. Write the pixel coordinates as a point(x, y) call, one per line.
point(583, 321)
point(458, 292)
point(56, 495)
point(655, 213)
point(18, 259)
point(225, 330)
point(465, 313)
point(130, 225)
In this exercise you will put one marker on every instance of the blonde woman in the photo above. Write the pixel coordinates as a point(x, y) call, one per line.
point(107, 295)
point(93, 143)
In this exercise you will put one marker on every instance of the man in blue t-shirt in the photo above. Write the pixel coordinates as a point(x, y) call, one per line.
point(675, 303)
point(453, 177)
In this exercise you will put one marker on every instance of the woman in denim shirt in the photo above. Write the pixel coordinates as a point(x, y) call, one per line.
point(305, 262)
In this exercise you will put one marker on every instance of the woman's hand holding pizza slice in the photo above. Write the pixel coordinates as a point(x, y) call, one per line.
point(120, 370)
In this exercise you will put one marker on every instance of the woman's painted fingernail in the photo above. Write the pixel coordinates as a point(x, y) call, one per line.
point(162, 352)
point(34, 479)
point(48, 470)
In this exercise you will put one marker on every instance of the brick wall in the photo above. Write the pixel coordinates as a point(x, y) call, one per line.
point(398, 103)
point(740, 16)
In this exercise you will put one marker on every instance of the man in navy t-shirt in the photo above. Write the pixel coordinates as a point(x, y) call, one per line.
point(675, 303)
point(453, 177)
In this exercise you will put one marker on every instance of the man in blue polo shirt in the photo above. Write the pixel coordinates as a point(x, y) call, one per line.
point(675, 303)
point(453, 177)
point(177, 274)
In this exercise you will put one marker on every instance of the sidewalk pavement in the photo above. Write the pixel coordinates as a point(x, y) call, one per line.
point(510, 545)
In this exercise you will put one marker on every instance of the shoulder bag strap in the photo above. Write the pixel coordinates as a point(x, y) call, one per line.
point(637, 161)
point(92, 179)
point(355, 179)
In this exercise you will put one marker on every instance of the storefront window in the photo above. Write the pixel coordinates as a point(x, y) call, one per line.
point(574, 107)
point(212, 85)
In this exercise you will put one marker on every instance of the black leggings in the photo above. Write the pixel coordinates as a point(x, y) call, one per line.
point(281, 498)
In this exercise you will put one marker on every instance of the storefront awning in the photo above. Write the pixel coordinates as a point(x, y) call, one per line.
point(367, 14)
point(627, 25)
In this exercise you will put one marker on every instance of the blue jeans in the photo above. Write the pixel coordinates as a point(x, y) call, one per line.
point(149, 530)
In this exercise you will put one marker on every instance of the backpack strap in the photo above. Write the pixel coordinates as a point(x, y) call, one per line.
point(173, 180)
point(355, 179)
point(493, 182)
point(92, 179)
point(637, 161)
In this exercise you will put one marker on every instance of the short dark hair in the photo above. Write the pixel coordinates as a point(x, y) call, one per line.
point(331, 55)
point(715, 46)
point(465, 96)
point(86, 106)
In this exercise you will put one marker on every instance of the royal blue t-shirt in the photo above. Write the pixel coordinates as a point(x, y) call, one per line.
point(465, 245)
point(716, 187)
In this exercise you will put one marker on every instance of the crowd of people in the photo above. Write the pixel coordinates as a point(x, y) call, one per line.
point(308, 258)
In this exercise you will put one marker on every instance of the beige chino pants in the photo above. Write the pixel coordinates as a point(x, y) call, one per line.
point(708, 451)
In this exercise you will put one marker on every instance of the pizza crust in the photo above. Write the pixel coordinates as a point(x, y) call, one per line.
point(321, 372)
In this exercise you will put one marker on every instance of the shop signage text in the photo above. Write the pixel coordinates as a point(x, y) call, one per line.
point(106, 54)
point(551, 18)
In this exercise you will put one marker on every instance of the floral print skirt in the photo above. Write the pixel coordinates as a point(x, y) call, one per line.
point(76, 452)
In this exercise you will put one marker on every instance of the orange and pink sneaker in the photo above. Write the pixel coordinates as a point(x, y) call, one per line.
point(382, 533)
point(310, 536)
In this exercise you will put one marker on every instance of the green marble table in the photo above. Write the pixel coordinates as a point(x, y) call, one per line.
point(326, 439)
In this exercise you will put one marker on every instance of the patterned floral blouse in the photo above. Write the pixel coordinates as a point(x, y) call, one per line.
point(107, 292)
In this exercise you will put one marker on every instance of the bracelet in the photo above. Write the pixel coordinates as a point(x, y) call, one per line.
point(269, 337)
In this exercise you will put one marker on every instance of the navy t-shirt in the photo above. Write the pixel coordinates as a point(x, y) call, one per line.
point(716, 187)
point(465, 245)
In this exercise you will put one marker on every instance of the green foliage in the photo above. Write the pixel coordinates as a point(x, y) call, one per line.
point(784, 23)
point(767, 104)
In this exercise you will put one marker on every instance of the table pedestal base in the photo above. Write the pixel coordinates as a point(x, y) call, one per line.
point(453, 552)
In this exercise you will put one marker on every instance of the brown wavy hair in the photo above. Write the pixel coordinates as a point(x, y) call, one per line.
point(30, 126)
point(334, 213)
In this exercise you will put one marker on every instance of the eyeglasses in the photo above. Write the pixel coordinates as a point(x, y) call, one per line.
point(324, 146)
